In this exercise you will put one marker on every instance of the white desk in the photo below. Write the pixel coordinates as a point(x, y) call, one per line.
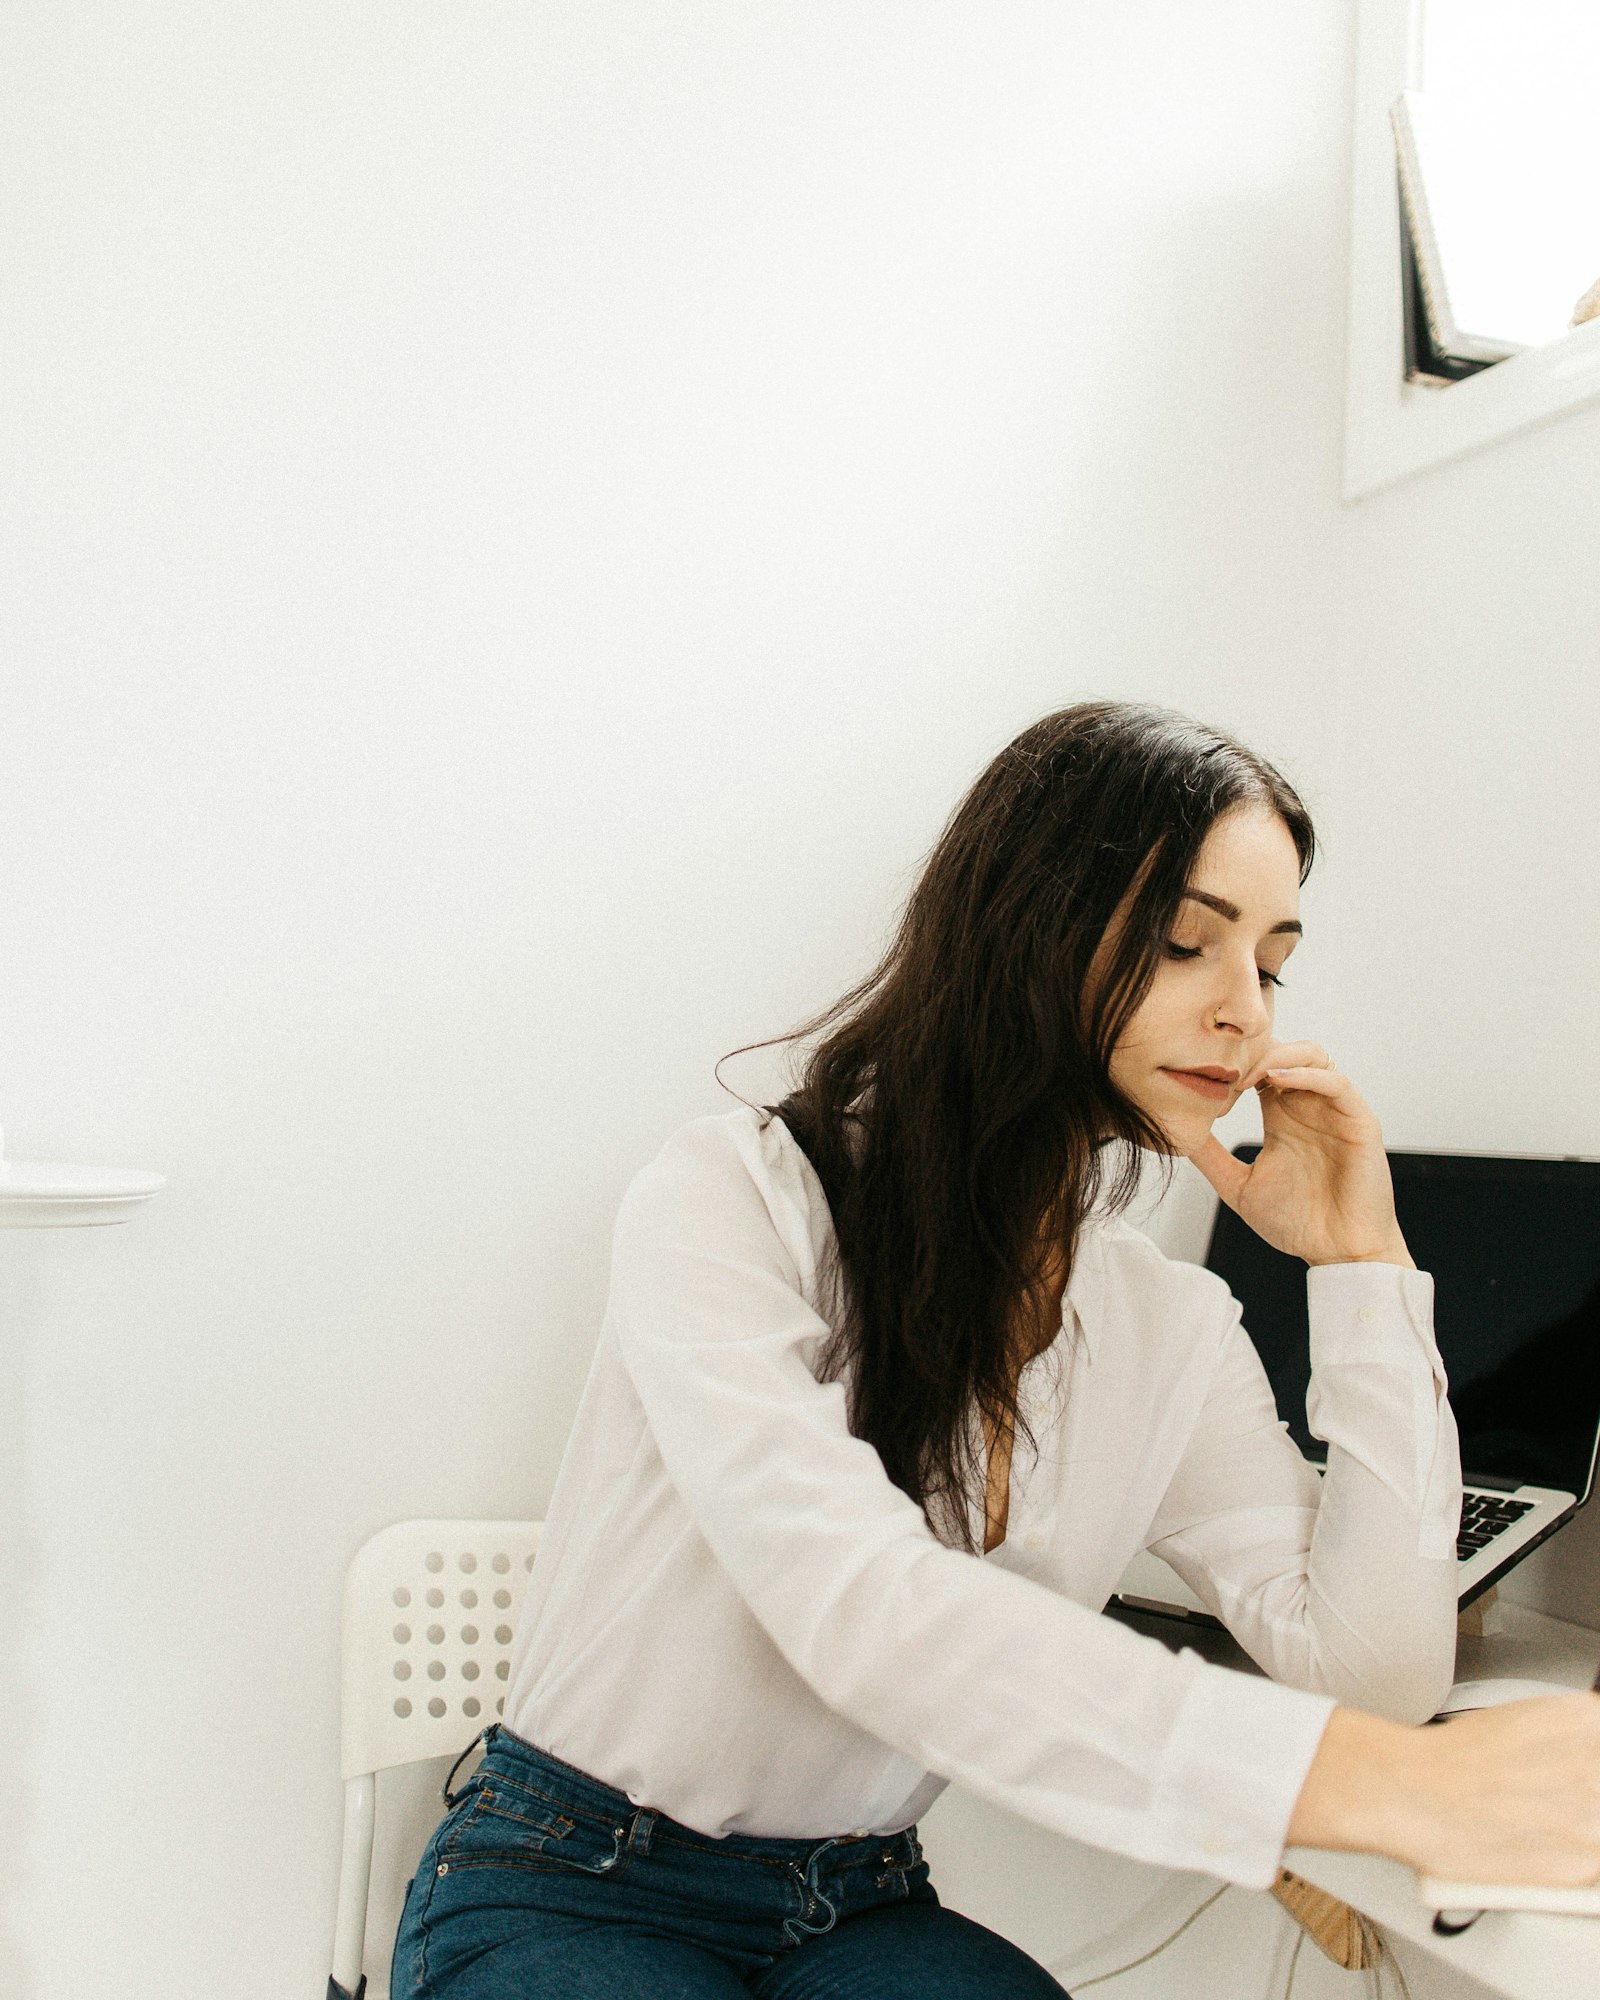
point(1524, 1956)
point(1513, 1952)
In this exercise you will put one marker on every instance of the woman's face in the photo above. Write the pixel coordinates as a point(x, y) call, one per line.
point(1207, 1018)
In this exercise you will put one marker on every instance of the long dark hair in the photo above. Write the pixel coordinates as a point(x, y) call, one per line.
point(957, 1107)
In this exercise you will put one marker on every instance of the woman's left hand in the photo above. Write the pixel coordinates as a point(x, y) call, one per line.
point(1320, 1187)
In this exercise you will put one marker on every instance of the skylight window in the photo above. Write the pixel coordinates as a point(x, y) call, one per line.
point(1505, 94)
point(1500, 175)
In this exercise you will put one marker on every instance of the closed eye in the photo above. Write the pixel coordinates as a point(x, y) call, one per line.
point(1193, 951)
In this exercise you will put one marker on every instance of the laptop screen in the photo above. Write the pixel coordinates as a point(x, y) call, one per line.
point(1514, 1248)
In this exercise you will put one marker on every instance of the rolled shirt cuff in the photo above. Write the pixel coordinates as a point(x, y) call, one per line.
point(1236, 1760)
point(1371, 1317)
point(1355, 1311)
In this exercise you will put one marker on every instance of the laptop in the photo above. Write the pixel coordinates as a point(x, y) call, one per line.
point(1513, 1244)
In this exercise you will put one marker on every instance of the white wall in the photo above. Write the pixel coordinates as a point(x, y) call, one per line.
point(523, 519)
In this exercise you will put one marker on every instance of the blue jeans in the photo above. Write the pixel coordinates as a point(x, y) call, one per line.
point(541, 1881)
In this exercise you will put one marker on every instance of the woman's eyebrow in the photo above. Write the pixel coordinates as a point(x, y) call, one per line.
point(1229, 910)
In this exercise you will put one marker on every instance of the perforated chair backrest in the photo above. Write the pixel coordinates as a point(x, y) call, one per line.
point(429, 1612)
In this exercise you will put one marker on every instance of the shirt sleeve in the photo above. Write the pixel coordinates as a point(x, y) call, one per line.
point(983, 1676)
point(1344, 1582)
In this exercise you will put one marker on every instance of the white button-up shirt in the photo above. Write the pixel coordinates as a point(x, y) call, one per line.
point(736, 1617)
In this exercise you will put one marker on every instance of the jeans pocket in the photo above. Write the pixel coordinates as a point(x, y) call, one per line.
point(508, 1824)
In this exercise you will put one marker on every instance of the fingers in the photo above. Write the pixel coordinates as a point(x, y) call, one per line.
point(1320, 1082)
point(1287, 1055)
point(1285, 1096)
point(1226, 1174)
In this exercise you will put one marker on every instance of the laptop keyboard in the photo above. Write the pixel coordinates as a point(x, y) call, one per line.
point(1483, 1516)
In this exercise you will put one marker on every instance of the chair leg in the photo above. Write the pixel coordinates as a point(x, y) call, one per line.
point(347, 1981)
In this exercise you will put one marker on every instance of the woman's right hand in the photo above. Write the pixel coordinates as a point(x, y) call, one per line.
point(1506, 1794)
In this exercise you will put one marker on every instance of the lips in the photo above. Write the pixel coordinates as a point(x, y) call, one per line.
point(1212, 1082)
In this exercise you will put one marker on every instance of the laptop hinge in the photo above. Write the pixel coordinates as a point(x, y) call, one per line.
point(1494, 1485)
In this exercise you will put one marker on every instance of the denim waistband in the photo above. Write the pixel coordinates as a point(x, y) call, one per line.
point(584, 1793)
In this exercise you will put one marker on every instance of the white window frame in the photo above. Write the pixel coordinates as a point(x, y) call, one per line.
point(1393, 427)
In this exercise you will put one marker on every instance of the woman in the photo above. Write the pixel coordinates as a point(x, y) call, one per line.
point(885, 1400)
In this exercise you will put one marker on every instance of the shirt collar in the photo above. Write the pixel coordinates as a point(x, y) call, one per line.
point(1084, 1297)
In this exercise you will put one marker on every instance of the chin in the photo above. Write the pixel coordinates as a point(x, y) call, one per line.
point(1183, 1120)
point(1180, 1137)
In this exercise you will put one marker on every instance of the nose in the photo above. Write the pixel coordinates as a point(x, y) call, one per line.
point(1241, 1004)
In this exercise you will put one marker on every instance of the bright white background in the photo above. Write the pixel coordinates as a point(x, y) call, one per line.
point(1511, 192)
point(521, 522)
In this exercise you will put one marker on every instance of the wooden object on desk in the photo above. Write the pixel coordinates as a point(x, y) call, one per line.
point(1469, 1623)
point(1337, 1931)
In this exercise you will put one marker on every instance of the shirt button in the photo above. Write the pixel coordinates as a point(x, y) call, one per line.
point(1367, 1314)
point(1033, 1540)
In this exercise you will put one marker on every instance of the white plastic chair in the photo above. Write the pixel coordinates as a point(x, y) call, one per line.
point(429, 1610)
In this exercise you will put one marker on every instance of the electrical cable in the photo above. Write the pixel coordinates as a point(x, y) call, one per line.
point(1294, 1960)
point(1083, 1985)
point(1378, 1953)
point(1387, 1957)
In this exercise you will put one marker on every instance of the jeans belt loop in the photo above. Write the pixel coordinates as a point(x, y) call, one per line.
point(640, 1828)
point(445, 1792)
